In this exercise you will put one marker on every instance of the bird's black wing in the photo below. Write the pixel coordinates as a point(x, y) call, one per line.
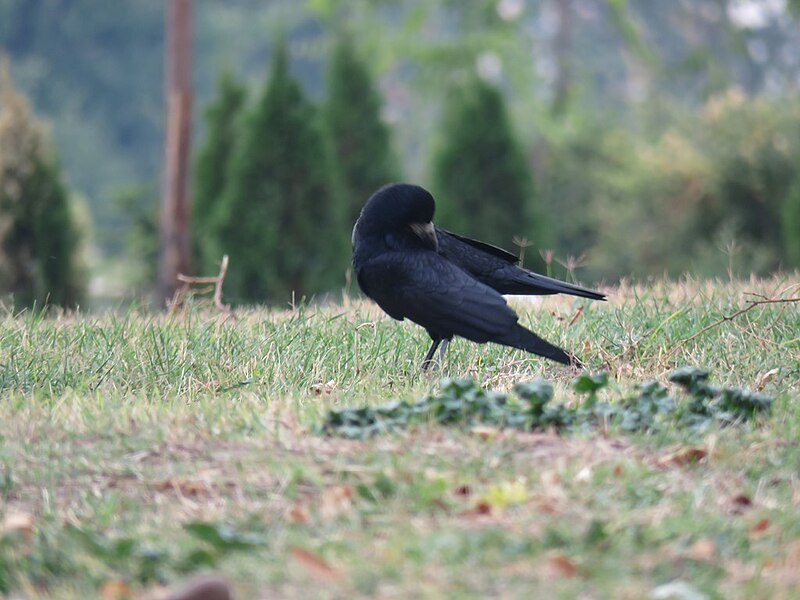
point(432, 292)
point(425, 288)
point(498, 269)
point(454, 243)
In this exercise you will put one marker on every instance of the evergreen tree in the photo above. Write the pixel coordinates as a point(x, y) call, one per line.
point(791, 223)
point(481, 179)
point(277, 217)
point(38, 235)
point(211, 166)
point(362, 156)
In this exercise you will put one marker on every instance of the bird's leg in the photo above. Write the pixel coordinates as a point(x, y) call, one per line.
point(442, 350)
point(426, 362)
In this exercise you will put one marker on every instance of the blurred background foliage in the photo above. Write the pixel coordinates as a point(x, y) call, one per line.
point(631, 138)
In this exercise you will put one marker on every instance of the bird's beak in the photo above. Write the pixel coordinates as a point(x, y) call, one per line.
point(427, 233)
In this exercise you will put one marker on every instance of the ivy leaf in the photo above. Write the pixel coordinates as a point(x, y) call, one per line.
point(538, 393)
point(694, 380)
point(222, 537)
point(588, 384)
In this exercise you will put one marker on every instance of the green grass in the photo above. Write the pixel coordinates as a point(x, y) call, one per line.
point(144, 447)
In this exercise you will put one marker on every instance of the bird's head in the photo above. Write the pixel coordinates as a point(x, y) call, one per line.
point(398, 208)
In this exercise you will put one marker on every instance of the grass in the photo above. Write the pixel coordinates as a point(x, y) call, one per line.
point(138, 448)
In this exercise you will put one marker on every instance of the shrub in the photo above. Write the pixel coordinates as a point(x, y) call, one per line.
point(361, 150)
point(278, 216)
point(705, 196)
point(790, 217)
point(211, 167)
point(39, 240)
point(480, 175)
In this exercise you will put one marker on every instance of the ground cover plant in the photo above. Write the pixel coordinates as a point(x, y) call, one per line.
point(137, 449)
point(463, 402)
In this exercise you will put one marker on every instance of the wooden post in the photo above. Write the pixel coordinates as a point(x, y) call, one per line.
point(175, 235)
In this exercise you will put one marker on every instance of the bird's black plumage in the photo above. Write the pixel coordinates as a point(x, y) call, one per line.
point(448, 284)
point(499, 270)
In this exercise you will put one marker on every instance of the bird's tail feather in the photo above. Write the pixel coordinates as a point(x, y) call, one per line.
point(521, 338)
point(528, 282)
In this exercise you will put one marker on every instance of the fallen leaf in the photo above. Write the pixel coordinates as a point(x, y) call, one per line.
point(298, 514)
point(115, 589)
point(484, 432)
point(584, 475)
point(682, 457)
point(618, 470)
point(483, 508)
point(760, 527)
point(703, 549)
point(740, 503)
point(504, 494)
point(335, 501)
point(562, 564)
point(316, 565)
point(463, 490)
point(764, 377)
point(326, 388)
point(575, 316)
point(189, 488)
point(18, 523)
point(479, 509)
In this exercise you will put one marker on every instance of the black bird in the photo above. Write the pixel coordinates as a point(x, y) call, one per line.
point(448, 284)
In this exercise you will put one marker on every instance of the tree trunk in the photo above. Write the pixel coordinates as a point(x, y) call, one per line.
point(175, 238)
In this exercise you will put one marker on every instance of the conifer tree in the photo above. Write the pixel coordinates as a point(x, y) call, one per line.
point(38, 236)
point(360, 142)
point(482, 182)
point(277, 217)
point(791, 223)
point(211, 167)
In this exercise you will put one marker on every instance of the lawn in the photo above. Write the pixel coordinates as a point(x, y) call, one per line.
point(137, 449)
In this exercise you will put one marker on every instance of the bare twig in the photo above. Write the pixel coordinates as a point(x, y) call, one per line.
point(751, 304)
point(223, 269)
point(575, 316)
point(355, 343)
point(635, 343)
point(188, 281)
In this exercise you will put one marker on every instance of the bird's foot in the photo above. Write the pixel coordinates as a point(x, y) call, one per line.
point(430, 365)
point(426, 364)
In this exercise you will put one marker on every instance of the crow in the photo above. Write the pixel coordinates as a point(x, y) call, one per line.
point(448, 284)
